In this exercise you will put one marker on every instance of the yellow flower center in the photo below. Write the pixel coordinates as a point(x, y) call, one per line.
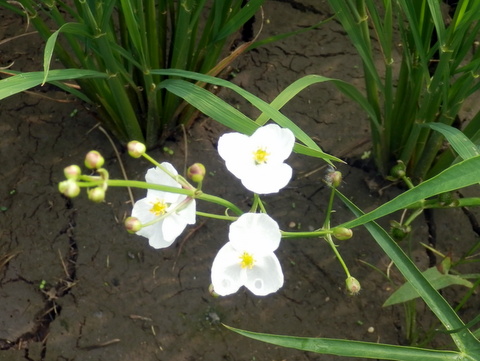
point(260, 156)
point(159, 208)
point(247, 260)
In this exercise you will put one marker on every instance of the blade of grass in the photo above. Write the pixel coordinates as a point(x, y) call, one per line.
point(217, 109)
point(458, 176)
point(24, 81)
point(465, 341)
point(347, 348)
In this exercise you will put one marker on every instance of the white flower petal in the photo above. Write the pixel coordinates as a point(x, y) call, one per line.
point(226, 271)
point(255, 233)
point(229, 148)
point(278, 141)
point(258, 160)
point(173, 226)
point(267, 179)
point(265, 277)
point(155, 236)
point(170, 221)
point(141, 210)
point(158, 176)
point(189, 212)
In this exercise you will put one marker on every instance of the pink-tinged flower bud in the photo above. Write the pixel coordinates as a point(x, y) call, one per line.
point(136, 149)
point(94, 160)
point(72, 172)
point(353, 286)
point(333, 178)
point(445, 265)
point(342, 233)
point(196, 172)
point(133, 224)
point(96, 194)
point(69, 188)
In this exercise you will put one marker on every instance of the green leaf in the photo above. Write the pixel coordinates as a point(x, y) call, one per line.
point(21, 82)
point(225, 114)
point(437, 279)
point(239, 19)
point(465, 341)
point(346, 348)
point(458, 176)
point(72, 28)
point(459, 141)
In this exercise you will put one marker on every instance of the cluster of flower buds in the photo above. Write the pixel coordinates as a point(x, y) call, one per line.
point(71, 186)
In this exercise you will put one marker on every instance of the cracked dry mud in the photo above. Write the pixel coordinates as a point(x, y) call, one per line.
point(75, 286)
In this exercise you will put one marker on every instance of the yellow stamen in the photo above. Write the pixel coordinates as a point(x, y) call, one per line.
point(260, 156)
point(159, 208)
point(247, 260)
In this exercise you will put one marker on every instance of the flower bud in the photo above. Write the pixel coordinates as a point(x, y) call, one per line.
point(445, 265)
point(72, 172)
point(398, 171)
point(212, 291)
point(96, 194)
point(133, 224)
point(69, 188)
point(333, 178)
point(196, 172)
point(447, 199)
point(399, 231)
point(353, 286)
point(94, 160)
point(342, 233)
point(136, 149)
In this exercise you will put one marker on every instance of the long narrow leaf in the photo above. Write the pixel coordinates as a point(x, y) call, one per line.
point(71, 28)
point(349, 348)
point(462, 145)
point(458, 176)
point(270, 111)
point(465, 341)
point(437, 279)
point(24, 81)
point(224, 113)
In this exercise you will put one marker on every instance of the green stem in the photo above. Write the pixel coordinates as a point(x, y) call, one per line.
point(144, 185)
point(193, 193)
point(319, 233)
point(220, 201)
point(329, 208)
point(216, 216)
point(329, 240)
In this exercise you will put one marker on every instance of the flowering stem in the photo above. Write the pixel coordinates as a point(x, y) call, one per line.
point(192, 193)
point(329, 208)
point(320, 233)
point(216, 216)
point(257, 202)
point(177, 178)
point(220, 201)
point(145, 185)
point(329, 240)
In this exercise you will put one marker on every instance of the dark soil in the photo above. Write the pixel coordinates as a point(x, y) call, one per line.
point(74, 285)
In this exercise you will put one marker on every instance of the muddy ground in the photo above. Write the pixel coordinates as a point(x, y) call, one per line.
point(74, 285)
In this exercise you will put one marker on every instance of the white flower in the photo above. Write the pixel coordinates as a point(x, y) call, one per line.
point(163, 215)
point(258, 160)
point(248, 259)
